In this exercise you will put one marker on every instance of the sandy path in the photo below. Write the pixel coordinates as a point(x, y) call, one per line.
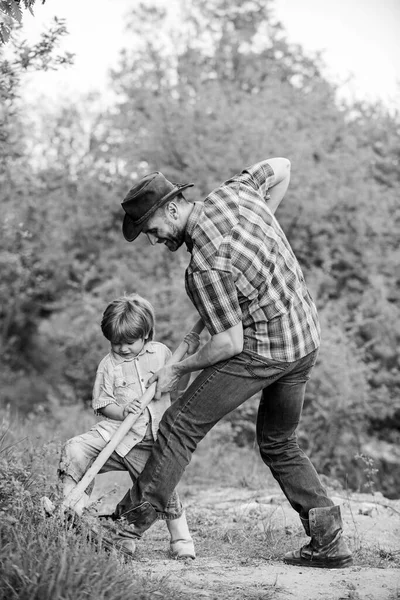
point(240, 535)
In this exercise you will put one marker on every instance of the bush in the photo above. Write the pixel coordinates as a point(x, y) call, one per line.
point(43, 558)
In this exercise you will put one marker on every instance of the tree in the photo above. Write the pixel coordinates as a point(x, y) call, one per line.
point(222, 90)
point(23, 266)
point(226, 89)
point(11, 14)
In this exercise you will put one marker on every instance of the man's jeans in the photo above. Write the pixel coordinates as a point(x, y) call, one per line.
point(215, 392)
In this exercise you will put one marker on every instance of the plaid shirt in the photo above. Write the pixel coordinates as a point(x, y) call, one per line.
point(242, 269)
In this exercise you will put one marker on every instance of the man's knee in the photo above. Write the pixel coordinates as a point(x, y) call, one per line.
point(180, 433)
point(277, 449)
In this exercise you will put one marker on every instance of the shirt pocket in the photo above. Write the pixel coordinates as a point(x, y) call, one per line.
point(126, 389)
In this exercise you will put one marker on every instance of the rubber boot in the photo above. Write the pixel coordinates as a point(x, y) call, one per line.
point(181, 544)
point(327, 548)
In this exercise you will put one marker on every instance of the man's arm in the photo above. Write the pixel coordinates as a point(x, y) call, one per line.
point(193, 341)
point(220, 347)
point(277, 190)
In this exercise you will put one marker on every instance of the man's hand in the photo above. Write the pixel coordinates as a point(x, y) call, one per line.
point(167, 380)
point(221, 346)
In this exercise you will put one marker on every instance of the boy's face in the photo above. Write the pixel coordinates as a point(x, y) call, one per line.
point(129, 350)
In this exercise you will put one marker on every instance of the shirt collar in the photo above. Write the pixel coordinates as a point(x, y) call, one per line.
point(191, 224)
point(148, 347)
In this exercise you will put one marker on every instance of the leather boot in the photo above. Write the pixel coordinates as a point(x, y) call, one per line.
point(121, 531)
point(327, 548)
point(139, 519)
point(126, 547)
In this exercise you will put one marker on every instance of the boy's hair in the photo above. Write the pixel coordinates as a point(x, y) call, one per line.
point(127, 319)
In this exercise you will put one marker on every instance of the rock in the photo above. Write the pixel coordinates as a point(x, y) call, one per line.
point(368, 509)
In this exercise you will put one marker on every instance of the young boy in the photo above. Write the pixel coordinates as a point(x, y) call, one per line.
point(128, 324)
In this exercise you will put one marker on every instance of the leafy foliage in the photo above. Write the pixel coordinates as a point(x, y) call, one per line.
point(199, 103)
point(11, 13)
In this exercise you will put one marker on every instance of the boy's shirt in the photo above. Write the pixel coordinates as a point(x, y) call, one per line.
point(119, 381)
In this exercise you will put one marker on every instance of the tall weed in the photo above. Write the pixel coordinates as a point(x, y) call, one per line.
point(41, 557)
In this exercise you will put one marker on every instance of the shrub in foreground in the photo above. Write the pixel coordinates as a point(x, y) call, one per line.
point(43, 558)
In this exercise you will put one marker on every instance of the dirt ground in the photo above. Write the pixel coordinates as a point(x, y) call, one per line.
point(241, 535)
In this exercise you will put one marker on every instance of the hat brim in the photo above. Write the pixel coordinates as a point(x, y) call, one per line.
point(131, 229)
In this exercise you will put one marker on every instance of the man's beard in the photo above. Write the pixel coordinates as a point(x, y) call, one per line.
point(175, 238)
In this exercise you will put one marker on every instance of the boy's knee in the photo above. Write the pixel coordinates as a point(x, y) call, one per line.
point(73, 450)
point(73, 460)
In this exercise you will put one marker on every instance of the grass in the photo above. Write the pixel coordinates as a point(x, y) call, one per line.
point(41, 558)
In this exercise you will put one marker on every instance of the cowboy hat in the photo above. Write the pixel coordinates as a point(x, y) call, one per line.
point(144, 198)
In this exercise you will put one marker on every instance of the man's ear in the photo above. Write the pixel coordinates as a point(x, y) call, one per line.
point(173, 210)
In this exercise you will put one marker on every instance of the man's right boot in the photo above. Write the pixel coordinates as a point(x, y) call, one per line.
point(327, 548)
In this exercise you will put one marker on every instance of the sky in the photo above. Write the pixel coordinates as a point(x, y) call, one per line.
point(357, 38)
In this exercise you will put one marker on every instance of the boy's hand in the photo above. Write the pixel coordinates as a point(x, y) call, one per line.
point(193, 341)
point(133, 407)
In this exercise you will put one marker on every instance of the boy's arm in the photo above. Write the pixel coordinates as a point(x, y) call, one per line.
point(112, 411)
point(119, 413)
point(103, 400)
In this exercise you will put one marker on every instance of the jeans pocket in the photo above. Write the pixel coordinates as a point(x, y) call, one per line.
point(301, 371)
point(265, 368)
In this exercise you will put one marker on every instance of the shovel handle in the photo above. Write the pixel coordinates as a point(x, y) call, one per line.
point(123, 429)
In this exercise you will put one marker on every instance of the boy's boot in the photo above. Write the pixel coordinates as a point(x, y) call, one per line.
point(181, 544)
point(327, 548)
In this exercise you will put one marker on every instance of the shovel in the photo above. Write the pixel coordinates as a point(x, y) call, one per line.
point(76, 494)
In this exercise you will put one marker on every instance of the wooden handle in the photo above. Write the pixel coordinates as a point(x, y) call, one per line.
point(123, 429)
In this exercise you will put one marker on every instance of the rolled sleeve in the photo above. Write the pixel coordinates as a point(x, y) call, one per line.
point(215, 297)
point(103, 390)
point(262, 176)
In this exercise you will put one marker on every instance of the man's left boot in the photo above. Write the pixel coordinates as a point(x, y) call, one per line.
point(138, 519)
point(121, 531)
point(327, 548)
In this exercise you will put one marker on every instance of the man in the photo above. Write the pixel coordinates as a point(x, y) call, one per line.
point(248, 288)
